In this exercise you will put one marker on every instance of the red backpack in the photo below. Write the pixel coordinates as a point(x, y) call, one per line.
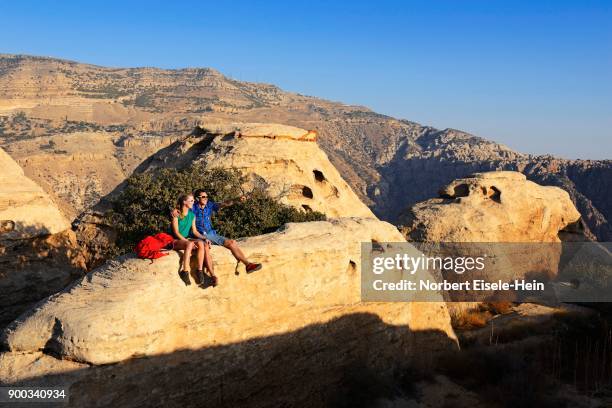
point(150, 247)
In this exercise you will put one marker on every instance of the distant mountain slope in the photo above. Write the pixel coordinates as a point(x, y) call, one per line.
point(390, 163)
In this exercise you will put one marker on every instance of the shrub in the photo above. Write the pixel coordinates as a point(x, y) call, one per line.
point(20, 117)
point(142, 208)
point(144, 101)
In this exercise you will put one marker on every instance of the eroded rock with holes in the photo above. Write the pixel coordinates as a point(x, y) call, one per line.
point(297, 172)
point(284, 333)
point(512, 222)
point(283, 160)
point(498, 206)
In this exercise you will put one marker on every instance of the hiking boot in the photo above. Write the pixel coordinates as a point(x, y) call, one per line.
point(209, 281)
point(200, 277)
point(252, 267)
point(185, 277)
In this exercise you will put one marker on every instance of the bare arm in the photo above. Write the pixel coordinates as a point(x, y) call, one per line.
point(175, 229)
point(231, 202)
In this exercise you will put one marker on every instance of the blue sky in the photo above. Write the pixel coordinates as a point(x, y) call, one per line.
point(534, 75)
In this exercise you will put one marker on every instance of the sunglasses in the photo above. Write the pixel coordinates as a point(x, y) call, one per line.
point(202, 196)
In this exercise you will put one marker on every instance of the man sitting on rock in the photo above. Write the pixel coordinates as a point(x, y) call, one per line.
point(203, 210)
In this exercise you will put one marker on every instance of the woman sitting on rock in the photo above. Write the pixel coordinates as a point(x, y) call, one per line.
point(182, 227)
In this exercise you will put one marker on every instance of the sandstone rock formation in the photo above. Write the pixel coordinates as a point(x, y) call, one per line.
point(275, 131)
point(25, 209)
point(492, 207)
point(375, 153)
point(283, 160)
point(285, 334)
point(38, 251)
point(512, 222)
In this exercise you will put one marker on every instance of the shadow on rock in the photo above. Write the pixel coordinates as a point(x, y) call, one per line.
point(319, 365)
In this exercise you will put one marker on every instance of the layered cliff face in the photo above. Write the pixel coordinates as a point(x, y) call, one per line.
point(389, 163)
point(79, 168)
point(25, 209)
point(38, 251)
point(229, 344)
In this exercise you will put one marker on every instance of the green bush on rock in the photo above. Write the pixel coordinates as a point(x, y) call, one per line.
point(142, 208)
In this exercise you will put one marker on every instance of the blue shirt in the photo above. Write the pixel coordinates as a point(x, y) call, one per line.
point(202, 216)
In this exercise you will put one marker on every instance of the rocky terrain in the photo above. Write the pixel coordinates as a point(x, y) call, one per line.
point(295, 333)
point(391, 164)
point(288, 334)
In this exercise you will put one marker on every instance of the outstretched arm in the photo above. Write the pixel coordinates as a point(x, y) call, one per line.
point(231, 202)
